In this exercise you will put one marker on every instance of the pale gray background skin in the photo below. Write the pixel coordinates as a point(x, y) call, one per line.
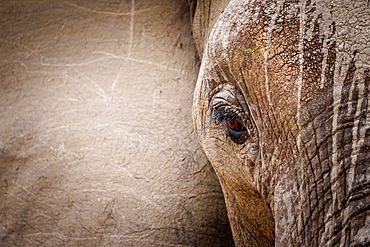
point(96, 140)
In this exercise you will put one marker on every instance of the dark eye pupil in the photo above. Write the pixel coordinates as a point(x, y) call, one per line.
point(235, 125)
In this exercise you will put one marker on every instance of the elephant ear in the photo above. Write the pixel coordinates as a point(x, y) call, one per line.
point(204, 14)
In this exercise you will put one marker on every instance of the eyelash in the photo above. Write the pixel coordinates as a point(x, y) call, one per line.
point(232, 121)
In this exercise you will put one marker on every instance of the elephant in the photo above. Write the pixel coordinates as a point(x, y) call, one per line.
point(281, 110)
point(97, 146)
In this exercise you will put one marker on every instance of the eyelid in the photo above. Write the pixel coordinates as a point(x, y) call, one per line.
point(243, 132)
point(226, 112)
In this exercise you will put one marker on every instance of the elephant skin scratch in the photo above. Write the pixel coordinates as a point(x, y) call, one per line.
point(100, 91)
point(132, 19)
point(324, 62)
point(140, 61)
point(142, 197)
point(302, 20)
point(123, 237)
point(58, 235)
point(325, 50)
point(109, 12)
point(72, 64)
point(115, 81)
point(268, 45)
point(64, 237)
point(25, 189)
point(134, 178)
point(300, 76)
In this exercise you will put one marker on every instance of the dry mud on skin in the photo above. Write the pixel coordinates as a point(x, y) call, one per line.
point(96, 139)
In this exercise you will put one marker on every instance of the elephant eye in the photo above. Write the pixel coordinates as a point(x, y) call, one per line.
point(236, 130)
point(233, 127)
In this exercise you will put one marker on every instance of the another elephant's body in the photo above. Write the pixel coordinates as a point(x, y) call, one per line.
point(96, 140)
point(300, 73)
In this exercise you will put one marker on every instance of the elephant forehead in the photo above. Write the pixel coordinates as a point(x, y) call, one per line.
point(227, 29)
point(287, 50)
point(245, 50)
point(236, 25)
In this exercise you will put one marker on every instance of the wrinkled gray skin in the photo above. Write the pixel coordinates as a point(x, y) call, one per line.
point(296, 75)
point(96, 139)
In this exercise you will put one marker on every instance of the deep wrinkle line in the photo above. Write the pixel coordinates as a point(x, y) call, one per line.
point(357, 142)
point(341, 66)
point(253, 119)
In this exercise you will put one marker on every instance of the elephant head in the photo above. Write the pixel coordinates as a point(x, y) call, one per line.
point(281, 110)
